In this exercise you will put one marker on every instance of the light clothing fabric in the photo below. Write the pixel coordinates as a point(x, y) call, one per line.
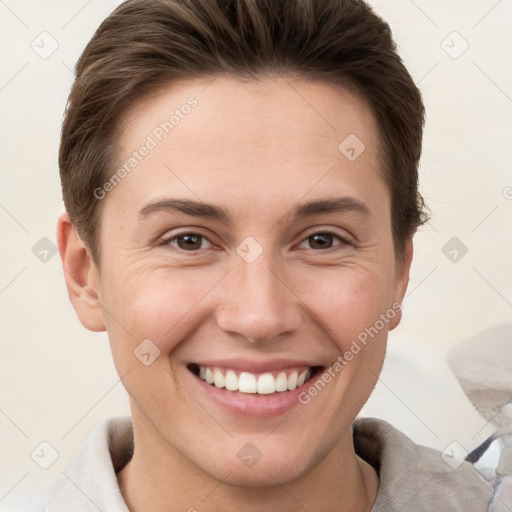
point(413, 478)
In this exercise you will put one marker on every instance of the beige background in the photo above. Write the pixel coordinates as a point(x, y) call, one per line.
point(58, 380)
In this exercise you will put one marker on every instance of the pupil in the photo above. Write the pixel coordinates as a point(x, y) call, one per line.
point(322, 236)
point(191, 241)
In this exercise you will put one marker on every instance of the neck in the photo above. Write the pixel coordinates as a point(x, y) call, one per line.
point(340, 477)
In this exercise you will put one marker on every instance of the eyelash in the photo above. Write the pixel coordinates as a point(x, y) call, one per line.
point(343, 240)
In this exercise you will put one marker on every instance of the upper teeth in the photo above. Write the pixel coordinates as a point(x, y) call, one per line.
point(246, 382)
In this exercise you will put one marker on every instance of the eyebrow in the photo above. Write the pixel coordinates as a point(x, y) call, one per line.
point(189, 207)
point(211, 211)
point(336, 205)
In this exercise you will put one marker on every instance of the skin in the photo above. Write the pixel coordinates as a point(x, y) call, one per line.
point(256, 148)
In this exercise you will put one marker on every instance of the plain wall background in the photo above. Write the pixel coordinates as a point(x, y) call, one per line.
point(58, 380)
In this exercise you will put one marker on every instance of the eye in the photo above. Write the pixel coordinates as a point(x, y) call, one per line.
point(324, 240)
point(187, 241)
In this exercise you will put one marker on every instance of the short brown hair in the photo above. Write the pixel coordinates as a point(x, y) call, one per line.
point(145, 44)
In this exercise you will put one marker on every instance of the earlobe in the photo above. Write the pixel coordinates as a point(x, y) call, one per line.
point(81, 276)
point(402, 280)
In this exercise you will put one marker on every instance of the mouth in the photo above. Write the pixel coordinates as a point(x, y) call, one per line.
point(266, 383)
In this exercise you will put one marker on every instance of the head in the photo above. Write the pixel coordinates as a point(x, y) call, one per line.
point(241, 187)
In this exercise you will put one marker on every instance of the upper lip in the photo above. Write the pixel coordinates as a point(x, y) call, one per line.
point(252, 366)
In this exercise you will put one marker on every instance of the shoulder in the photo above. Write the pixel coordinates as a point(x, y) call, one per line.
point(414, 477)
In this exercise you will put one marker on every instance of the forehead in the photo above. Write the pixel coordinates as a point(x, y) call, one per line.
point(275, 137)
point(261, 106)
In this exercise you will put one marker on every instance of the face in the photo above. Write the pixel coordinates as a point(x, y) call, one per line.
point(284, 263)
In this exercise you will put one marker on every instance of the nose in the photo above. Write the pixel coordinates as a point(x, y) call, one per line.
point(257, 303)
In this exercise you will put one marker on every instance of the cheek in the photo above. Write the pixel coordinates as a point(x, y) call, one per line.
point(165, 305)
point(347, 301)
point(156, 304)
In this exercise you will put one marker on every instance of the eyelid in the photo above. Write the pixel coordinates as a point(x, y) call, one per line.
point(332, 231)
point(166, 239)
point(344, 239)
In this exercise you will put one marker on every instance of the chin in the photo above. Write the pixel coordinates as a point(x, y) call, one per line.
point(268, 475)
point(278, 467)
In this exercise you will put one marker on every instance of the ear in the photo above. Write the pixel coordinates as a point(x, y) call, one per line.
point(81, 275)
point(401, 281)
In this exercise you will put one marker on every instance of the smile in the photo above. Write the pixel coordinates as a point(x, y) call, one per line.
point(266, 383)
point(249, 388)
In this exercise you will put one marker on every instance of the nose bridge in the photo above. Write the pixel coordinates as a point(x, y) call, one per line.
point(257, 304)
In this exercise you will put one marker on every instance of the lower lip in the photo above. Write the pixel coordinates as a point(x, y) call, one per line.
point(252, 405)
